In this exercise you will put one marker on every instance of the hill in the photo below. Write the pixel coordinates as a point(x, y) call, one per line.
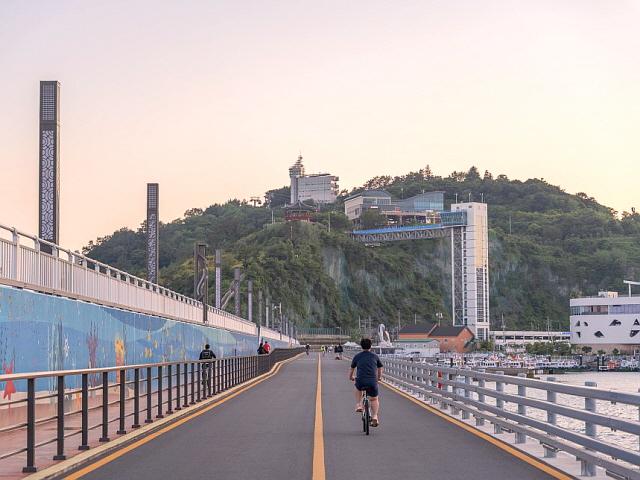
point(545, 246)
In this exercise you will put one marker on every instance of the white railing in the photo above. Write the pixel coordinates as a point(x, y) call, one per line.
point(560, 417)
point(23, 263)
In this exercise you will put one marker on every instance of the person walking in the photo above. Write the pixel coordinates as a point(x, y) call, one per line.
point(261, 350)
point(206, 354)
point(267, 347)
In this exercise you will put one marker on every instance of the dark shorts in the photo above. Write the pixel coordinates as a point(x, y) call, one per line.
point(371, 386)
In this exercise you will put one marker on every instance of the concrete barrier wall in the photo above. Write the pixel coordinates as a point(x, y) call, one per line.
point(44, 332)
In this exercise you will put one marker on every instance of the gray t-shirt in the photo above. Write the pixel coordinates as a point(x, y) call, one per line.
point(367, 365)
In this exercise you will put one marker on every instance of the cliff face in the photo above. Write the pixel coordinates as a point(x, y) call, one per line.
point(544, 247)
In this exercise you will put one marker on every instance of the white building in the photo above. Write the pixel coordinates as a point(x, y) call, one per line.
point(470, 262)
point(606, 322)
point(320, 187)
point(521, 338)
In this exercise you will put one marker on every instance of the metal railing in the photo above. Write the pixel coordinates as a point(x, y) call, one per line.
point(67, 273)
point(122, 397)
point(531, 408)
point(323, 331)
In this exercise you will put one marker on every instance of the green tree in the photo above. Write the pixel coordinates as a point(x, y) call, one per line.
point(372, 218)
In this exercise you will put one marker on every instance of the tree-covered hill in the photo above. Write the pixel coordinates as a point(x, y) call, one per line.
point(545, 246)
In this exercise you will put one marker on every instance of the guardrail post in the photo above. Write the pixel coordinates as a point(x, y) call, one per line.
point(497, 429)
point(467, 395)
point(185, 403)
point(31, 426)
point(522, 409)
point(136, 398)
point(178, 391)
point(193, 375)
point(60, 428)
point(149, 390)
point(481, 384)
point(169, 390)
point(199, 370)
point(455, 390)
point(159, 395)
point(105, 407)
point(214, 377)
point(123, 377)
point(85, 413)
point(550, 452)
point(588, 469)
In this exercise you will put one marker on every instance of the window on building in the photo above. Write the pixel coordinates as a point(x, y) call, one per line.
point(633, 333)
point(585, 324)
point(578, 323)
point(615, 323)
point(599, 334)
point(579, 335)
point(635, 308)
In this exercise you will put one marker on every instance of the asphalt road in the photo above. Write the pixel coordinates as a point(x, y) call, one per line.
point(410, 442)
point(267, 433)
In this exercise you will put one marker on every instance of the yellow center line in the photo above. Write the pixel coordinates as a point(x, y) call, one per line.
point(109, 458)
point(540, 465)
point(318, 435)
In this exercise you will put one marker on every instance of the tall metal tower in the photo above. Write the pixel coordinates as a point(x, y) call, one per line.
point(201, 277)
point(152, 231)
point(49, 153)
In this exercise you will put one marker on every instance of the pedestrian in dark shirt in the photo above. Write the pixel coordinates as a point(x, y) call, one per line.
point(369, 373)
point(206, 354)
point(261, 350)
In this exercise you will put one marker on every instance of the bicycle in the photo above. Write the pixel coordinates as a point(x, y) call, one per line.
point(366, 413)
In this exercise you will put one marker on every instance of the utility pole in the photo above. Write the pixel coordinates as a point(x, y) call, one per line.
point(236, 286)
point(250, 300)
point(218, 277)
point(266, 312)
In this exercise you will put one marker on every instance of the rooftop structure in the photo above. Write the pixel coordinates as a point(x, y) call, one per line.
point(321, 188)
point(299, 211)
point(421, 208)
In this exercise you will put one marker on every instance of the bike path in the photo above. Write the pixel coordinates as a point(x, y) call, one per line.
point(264, 432)
point(409, 443)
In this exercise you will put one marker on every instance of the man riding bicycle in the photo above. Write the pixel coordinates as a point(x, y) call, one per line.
point(206, 354)
point(369, 373)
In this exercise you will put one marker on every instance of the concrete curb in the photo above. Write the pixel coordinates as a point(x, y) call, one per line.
point(65, 467)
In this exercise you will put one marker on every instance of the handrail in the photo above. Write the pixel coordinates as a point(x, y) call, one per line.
point(465, 391)
point(79, 276)
point(163, 387)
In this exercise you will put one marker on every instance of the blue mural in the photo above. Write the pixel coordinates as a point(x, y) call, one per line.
point(43, 332)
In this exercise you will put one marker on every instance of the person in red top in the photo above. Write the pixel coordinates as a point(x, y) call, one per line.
point(267, 347)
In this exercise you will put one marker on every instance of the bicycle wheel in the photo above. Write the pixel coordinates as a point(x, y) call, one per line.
point(367, 419)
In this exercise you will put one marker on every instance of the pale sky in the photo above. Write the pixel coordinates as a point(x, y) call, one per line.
point(214, 99)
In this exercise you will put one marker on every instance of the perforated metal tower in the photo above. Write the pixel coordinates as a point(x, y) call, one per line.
point(49, 153)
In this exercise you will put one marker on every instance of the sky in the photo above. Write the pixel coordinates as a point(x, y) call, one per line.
point(214, 99)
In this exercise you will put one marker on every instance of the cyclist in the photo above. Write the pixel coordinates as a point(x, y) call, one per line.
point(307, 347)
point(206, 354)
point(369, 373)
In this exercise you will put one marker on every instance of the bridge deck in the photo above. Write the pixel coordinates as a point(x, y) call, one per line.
point(268, 432)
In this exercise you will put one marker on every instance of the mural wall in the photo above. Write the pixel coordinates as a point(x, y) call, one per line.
point(44, 332)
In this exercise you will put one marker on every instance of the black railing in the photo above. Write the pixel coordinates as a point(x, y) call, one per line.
point(79, 402)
